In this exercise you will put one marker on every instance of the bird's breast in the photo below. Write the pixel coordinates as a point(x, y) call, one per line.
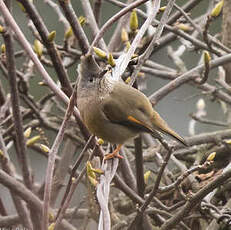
point(98, 124)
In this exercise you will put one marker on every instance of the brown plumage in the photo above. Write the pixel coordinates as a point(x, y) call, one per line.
point(115, 111)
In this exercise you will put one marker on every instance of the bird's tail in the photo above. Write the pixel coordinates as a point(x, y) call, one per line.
point(163, 127)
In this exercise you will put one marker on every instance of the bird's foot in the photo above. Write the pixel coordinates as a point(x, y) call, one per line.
point(114, 154)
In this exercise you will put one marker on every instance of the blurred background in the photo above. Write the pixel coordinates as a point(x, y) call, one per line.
point(174, 108)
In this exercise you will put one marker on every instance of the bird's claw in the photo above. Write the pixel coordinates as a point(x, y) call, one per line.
point(112, 155)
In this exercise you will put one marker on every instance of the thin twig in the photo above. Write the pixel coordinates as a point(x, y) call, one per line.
point(97, 10)
point(51, 160)
point(189, 5)
point(62, 169)
point(190, 75)
point(59, 13)
point(169, 224)
point(158, 179)
point(9, 168)
point(188, 18)
point(115, 40)
point(121, 68)
point(50, 45)
point(155, 38)
point(26, 45)
point(75, 25)
point(73, 172)
point(157, 182)
point(68, 193)
point(18, 124)
point(92, 22)
point(112, 20)
point(176, 32)
point(209, 122)
point(205, 31)
point(183, 176)
point(125, 169)
point(74, 183)
point(18, 188)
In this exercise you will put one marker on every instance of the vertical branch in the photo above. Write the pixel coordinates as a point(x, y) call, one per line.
point(73, 172)
point(19, 204)
point(51, 161)
point(50, 45)
point(3, 211)
point(76, 27)
point(139, 174)
point(92, 22)
point(116, 37)
point(112, 20)
point(20, 142)
point(226, 36)
point(155, 38)
point(137, 40)
point(139, 166)
point(126, 171)
point(2, 95)
point(72, 184)
point(26, 45)
point(97, 10)
point(62, 169)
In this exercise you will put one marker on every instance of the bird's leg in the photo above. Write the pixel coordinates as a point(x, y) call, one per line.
point(115, 153)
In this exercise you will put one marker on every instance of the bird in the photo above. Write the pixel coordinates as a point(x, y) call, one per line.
point(115, 111)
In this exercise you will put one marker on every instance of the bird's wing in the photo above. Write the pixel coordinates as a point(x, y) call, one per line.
point(127, 106)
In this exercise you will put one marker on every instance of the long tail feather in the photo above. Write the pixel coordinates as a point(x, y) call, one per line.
point(163, 127)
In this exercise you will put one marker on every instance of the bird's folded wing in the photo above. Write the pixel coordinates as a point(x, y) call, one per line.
point(124, 113)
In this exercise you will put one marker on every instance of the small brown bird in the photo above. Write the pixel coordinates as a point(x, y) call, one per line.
point(115, 111)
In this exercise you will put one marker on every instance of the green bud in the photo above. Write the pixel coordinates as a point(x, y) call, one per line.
point(51, 36)
point(38, 48)
point(217, 9)
point(111, 60)
point(100, 53)
point(133, 21)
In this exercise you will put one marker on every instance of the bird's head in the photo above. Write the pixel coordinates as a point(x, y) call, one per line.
point(89, 72)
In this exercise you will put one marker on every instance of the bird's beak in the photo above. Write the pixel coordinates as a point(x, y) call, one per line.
point(163, 127)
